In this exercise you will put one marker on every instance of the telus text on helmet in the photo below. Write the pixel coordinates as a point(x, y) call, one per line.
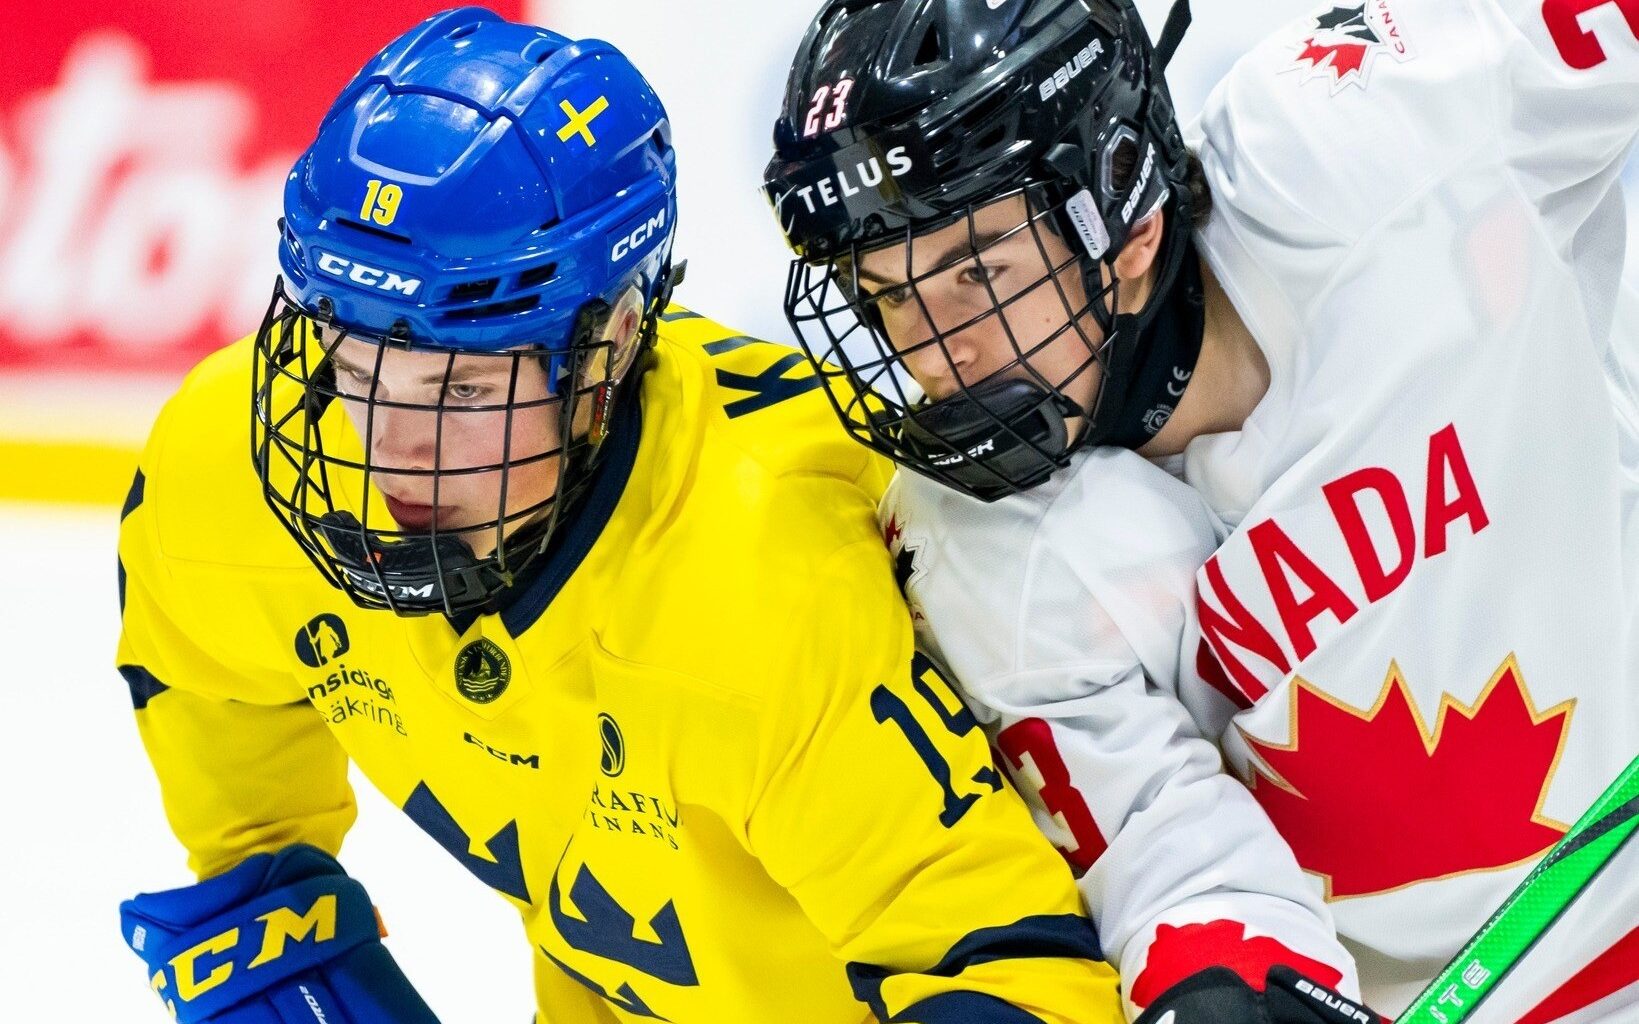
point(869, 173)
point(1071, 71)
point(369, 277)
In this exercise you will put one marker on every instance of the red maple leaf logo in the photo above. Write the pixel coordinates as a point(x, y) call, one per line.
point(1178, 953)
point(892, 532)
point(1373, 801)
point(1345, 58)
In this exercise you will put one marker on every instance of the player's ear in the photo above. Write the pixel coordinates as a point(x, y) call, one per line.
point(1137, 258)
point(623, 335)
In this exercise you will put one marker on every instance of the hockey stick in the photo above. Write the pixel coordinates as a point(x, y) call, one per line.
point(1531, 909)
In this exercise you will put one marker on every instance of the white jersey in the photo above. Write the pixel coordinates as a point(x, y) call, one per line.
point(1064, 613)
point(1426, 608)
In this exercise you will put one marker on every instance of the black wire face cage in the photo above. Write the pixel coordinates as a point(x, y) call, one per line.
point(320, 427)
point(1001, 418)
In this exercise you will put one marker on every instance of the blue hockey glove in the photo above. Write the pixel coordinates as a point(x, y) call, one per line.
point(285, 938)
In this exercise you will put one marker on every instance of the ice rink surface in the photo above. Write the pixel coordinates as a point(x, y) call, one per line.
point(83, 828)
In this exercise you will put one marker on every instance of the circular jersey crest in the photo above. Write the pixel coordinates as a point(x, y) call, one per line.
point(482, 671)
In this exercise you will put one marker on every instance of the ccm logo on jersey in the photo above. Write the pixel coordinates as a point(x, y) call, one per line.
point(634, 241)
point(368, 276)
point(1071, 71)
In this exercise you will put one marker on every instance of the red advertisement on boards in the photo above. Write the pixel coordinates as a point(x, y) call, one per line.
point(143, 152)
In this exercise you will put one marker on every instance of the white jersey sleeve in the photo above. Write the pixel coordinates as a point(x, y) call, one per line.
point(1424, 596)
point(1566, 99)
point(1061, 614)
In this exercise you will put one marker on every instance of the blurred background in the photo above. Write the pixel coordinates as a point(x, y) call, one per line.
point(143, 148)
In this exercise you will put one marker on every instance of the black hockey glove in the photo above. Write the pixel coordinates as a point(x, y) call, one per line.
point(1220, 996)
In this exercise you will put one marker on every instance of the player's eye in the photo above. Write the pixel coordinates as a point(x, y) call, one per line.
point(894, 297)
point(352, 379)
point(981, 274)
point(466, 392)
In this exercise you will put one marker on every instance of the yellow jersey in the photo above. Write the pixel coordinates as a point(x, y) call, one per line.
point(697, 748)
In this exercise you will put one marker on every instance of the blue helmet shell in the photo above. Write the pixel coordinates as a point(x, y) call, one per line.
point(477, 184)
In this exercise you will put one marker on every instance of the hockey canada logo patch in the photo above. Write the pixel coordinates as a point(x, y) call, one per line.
point(905, 552)
point(1345, 42)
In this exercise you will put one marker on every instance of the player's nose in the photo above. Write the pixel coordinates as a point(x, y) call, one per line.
point(403, 440)
point(950, 362)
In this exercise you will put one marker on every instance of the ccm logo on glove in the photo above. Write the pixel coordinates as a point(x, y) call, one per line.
point(278, 927)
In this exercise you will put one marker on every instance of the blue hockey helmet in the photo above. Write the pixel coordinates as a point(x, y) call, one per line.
point(479, 189)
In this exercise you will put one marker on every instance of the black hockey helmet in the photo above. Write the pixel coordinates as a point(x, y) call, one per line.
point(904, 117)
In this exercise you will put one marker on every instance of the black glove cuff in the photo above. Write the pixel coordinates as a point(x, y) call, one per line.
point(1220, 996)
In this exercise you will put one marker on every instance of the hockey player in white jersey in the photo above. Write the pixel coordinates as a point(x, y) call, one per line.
point(1063, 609)
point(1377, 334)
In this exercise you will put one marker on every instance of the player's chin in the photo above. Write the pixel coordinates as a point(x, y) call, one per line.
point(485, 538)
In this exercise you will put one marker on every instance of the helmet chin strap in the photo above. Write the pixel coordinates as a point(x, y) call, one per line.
point(1172, 33)
point(416, 575)
point(1147, 388)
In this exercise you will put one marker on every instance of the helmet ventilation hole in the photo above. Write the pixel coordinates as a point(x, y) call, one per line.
point(371, 229)
point(932, 50)
point(494, 311)
point(538, 51)
point(463, 31)
point(538, 276)
point(473, 291)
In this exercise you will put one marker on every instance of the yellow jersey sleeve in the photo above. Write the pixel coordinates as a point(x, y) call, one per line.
point(880, 810)
point(245, 764)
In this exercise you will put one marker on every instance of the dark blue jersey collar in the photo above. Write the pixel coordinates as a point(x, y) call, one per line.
point(524, 604)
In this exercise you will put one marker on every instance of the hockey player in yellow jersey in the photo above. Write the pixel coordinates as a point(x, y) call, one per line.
point(578, 579)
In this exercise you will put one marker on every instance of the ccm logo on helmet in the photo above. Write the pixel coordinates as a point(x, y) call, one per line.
point(630, 244)
point(368, 584)
point(369, 277)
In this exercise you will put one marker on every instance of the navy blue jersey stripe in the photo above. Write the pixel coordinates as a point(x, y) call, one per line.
point(133, 498)
point(964, 1008)
point(521, 608)
point(717, 348)
point(1068, 936)
point(144, 687)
